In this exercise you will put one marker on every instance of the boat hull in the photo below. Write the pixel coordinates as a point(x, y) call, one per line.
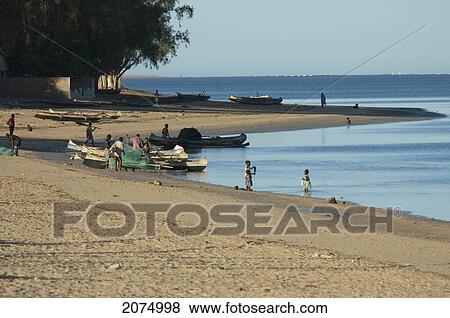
point(204, 142)
point(262, 100)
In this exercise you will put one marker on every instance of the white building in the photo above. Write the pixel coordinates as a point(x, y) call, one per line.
point(3, 67)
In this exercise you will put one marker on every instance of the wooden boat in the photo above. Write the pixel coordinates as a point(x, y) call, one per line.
point(191, 97)
point(78, 117)
point(256, 100)
point(72, 147)
point(81, 151)
point(189, 165)
point(95, 162)
point(191, 138)
point(169, 154)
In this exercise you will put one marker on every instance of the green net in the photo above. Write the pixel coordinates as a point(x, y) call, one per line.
point(133, 159)
point(6, 151)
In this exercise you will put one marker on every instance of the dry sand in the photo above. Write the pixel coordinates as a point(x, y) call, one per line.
point(412, 262)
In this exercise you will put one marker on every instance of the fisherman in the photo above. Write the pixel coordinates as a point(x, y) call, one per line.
point(16, 141)
point(323, 99)
point(165, 131)
point(248, 180)
point(306, 182)
point(118, 149)
point(108, 144)
point(90, 134)
point(11, 124)
point(137, 142)
point(108, 141)
point(349, 121)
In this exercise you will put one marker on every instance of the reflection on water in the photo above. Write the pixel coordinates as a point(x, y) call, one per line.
point(404, 165)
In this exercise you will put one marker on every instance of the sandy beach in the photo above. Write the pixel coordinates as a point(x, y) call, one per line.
point(414, 261)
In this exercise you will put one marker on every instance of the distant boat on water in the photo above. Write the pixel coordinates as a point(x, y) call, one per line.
point(256, 100)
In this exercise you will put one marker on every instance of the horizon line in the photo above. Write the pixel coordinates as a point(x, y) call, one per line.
point(299, 75)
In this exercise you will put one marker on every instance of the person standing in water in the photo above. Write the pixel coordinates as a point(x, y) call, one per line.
point(349, 121)
point(306, 182)
point(248, 180)
point(165, 131)
point(90, 134)
point(11, 124)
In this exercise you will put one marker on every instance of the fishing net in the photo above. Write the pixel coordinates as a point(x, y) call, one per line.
point(6, 151)
point(133, 159)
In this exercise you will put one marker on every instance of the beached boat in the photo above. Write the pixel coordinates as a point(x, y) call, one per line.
point(191, 97)
point(78, 117)
point(81, 151)
point(256, 100)
point(72, 147)
point(179, 154)
point(189, 165)
point(95, 162)
point(191, 138)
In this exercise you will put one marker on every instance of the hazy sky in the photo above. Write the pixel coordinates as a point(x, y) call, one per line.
point(292, 37)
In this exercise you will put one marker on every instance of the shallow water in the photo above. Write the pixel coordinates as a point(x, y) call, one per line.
point(405, 165)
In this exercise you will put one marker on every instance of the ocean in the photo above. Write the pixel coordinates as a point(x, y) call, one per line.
point(399, 165)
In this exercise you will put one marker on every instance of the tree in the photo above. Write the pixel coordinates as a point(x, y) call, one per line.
point(103, 37)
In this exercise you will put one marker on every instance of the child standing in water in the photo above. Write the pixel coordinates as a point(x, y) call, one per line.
point(248, 175)
point(306, 182)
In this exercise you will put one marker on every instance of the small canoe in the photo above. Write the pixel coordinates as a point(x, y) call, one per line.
point(189, 165)
point(256, 100)
point(78, 117)
point(72, 147)
point(191, 97)
point(95, 162)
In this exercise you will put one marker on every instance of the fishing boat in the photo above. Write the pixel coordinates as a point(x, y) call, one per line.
point(95, 162)
point(192, 97)
point(256, 100)
point(78, 117)
point(158, 154)
point(72, 147)
point(179, 154)
point(191, 138)
point(188, 165)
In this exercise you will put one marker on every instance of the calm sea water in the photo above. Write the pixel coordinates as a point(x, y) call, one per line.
point(405, 165)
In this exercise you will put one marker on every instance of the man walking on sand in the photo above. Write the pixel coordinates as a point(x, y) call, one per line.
point(90, 134)
point(323, 100)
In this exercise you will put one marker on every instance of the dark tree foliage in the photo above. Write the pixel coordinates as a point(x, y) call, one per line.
point(111, 36)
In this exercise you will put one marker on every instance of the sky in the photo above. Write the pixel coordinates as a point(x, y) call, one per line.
point(306, 37)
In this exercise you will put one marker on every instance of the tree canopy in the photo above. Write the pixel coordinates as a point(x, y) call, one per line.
point(105, 37)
